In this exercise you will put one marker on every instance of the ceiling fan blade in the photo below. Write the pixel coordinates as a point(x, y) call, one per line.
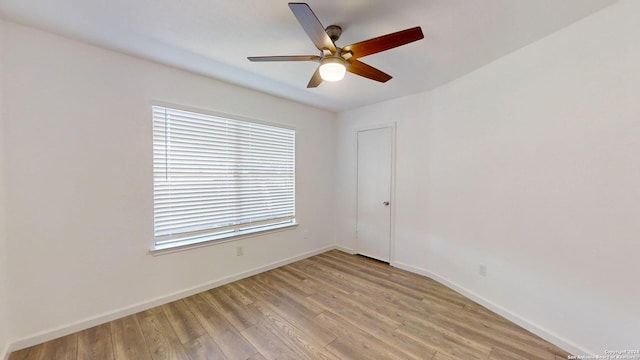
point(312, 26)
point(285, 58)
point(362, 69)
point(316, 79)
point(384, 42)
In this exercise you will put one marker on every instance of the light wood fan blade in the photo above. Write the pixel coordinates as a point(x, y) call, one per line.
point(359, 68)
point(384, 42)
point(312, 26)
point(316, 79)
point(285, 58)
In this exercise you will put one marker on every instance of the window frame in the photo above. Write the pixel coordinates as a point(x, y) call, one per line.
point(213, 238)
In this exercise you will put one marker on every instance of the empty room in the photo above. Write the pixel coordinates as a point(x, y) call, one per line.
point(419, 179)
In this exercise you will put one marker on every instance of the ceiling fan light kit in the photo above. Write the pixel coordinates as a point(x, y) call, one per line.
point(332, 68)
point(336, 61)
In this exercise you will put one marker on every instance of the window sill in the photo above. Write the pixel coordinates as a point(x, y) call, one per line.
point(217, 239)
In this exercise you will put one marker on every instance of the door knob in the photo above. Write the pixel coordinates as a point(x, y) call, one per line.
point(385, 203)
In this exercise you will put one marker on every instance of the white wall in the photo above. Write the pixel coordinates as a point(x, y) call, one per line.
point(79, 162)
point(530, 166)
point(4, 268)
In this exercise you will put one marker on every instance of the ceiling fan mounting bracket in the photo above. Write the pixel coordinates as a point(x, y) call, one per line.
point(334, 32)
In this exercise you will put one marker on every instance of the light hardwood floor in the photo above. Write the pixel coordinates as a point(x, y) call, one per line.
point(330, 306)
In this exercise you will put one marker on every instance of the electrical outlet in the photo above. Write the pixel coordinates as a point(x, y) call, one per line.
point(482, 270)
point(239, 251)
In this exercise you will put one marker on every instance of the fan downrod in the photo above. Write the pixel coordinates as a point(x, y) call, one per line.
point(334, 32)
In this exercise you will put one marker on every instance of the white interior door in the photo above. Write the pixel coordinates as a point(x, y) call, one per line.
point(374, 193)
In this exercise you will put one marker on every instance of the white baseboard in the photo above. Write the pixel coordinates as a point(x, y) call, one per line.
point(64, 330)
point(517, 319)
point(345, 249)
point(4, 354)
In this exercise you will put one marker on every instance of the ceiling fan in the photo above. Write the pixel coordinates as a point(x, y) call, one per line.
point(335, 61)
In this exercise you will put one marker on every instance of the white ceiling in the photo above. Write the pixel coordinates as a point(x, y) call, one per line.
point(214, 37)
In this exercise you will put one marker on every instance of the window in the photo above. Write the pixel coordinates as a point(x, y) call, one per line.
point(215, 177)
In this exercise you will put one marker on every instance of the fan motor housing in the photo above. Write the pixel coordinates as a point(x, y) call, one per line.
point(334, 32)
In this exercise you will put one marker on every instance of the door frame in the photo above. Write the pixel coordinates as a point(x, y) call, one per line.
point(392, 191)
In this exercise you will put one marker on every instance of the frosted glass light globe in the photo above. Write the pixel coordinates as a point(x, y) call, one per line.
point(332, 69)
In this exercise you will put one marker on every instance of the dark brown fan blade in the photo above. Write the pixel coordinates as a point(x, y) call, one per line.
point(362, 69)
point(384, 42)
point(285, 58)
point(312, 26)
point(316, 79)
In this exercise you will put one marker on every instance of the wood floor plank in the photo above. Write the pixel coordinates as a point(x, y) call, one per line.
point(288, 293)
point(239, 315)
point(365, 277)
point(236, 294)
point(257, 356)
point(234, 346)
point(292, 336)
point(228, 338)
point(353, 310)
point(279, 298)
point(456, 321)
point(204, 348)
point(310, 327)
point(507, 336)
point(269, 344)
point(64, 348)
point(330, 306)
point(400, 315)
point(355, 343)
point(128, 341)
point(184, 323)
point(313, 282)
point(326, 275)
point(443, 356)
point(275, 280)
point(365, 316)
point(292, 281)
point(408, 279)
point(297, 340)
point(446, 342)
point(211, 320)
point(161, 339)
point(309, 269)
point(498, 353)
point(31, 353)
point(95, 343)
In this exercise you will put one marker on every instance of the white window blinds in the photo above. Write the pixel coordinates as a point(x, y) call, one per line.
point(214, 176)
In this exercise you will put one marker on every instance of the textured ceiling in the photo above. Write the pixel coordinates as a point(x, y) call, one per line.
point(214, 37)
